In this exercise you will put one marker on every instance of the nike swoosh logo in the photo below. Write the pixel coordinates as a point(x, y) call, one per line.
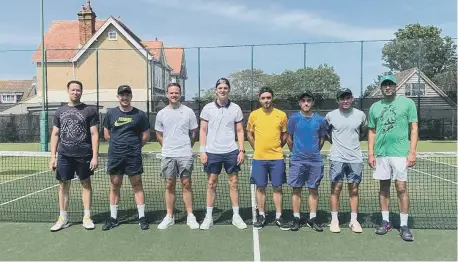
point(121, 123)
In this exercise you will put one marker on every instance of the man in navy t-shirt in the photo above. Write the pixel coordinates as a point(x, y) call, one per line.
point(128, 130)
point(307, 132)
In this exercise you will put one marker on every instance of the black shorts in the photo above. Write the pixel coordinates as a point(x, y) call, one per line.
point(125, 165)
point(68, 167)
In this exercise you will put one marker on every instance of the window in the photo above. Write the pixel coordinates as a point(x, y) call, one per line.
point(9, 99)
point(414, 90)
point(112, 35)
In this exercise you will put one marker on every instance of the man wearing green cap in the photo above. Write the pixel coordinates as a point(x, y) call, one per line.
point(390, 152)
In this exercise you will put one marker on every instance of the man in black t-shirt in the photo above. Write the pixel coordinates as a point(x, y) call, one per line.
point(128, 130)
point(75, 138)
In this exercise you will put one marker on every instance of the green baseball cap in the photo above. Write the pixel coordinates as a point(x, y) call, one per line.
point(390, 78)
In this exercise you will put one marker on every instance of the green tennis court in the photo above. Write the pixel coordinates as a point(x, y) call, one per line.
point(28, 207)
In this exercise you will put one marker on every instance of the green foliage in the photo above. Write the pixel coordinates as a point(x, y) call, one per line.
point(322, 81)
point(422, 47)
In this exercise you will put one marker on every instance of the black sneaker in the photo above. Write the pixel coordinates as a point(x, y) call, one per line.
point(312, 224)
point(405, 233)
point(143, 223)
point(295, 224)
point(110, 223)
point(280, 222)
point(260, 222)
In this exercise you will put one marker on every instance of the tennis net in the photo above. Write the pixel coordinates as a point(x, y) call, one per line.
point(28, 193)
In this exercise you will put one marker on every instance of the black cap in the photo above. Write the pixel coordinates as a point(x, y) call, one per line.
point(266, 89)
point(343, 92)
point(124, 88)
point(307, 93)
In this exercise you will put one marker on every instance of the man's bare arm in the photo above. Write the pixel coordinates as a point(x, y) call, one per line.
point(95, 141)
point(413, 138)
point(159, 137)
point(289, 141)
point(371, 141)
point(54, 141)
point(106, 134)
point(250, 136)
point(145, 137)
point(192, 136)
point(240, 135)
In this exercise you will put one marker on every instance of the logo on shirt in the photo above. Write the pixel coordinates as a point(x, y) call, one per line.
point(122, 121)
point(73, 128)
point(388, 118)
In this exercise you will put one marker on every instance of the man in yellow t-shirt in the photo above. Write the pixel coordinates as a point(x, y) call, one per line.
point(267, 136)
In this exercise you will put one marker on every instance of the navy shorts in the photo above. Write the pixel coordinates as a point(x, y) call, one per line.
point(264, 170)
point(305, 173)
point(68, 167)
point(215, 163)
point(352, 171)
point(130, 165)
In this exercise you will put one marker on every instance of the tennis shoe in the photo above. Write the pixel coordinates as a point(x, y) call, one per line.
point(383, 228)
point(356, 226)
point(88, 223)
point(334, 227)
point(143, 223)
point(238, 222)
point(110, 223)
point(405, 233)
point(260, 222)
point(192, 222)
point(207, 223)
point(167, 222)
point(60, 224)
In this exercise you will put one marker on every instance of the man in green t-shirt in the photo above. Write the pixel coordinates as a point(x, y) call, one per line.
point(390, 151)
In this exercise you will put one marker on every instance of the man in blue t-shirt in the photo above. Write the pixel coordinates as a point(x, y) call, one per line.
point(128, 130)
point(307, 132)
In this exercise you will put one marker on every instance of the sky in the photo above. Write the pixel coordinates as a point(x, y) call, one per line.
point(241, 23)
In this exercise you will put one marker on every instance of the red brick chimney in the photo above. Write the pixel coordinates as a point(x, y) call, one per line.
point(86, 18)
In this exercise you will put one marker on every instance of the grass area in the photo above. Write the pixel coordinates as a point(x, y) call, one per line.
point(221, 243)
point(423, 146)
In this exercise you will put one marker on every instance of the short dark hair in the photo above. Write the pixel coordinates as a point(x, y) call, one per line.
point(223, 80)
point(266, 89)
point(75, 82)
point(173, 84)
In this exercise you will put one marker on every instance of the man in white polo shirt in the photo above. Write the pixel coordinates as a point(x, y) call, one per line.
point(221, 120)
point(176, 126)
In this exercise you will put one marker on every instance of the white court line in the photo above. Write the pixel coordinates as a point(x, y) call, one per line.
point(428, 174)
point(256, 248)
point(22, 177)
point(438, 162)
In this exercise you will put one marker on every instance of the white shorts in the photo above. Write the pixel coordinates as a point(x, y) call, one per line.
point(394, 168)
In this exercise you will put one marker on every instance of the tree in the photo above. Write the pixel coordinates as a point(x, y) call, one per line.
point(447, 81)
point(422, 47)
point(323, 81)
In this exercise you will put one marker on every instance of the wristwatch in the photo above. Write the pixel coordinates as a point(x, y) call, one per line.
point(243, 151)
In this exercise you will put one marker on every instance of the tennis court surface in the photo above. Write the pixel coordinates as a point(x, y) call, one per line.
point(28, 207)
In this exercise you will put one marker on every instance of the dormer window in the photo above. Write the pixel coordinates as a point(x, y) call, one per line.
point(112, 35)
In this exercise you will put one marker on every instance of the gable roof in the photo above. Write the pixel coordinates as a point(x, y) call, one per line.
point(62, 43)
point(175, 59)
point(403, 76)
point(26, 87)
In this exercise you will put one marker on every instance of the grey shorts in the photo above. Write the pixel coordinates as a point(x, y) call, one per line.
point(352, 171)
point(177, 167)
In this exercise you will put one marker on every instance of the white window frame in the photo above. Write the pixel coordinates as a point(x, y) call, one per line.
point(111, 37)
point(9, 98)
point(411, 89)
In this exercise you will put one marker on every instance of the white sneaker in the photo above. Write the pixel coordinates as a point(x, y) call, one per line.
point(355, 226)
point(334, 227)
point(192, 222)
point(207, 223)
point(88, 223)
point(60, 224)
point(166, 222)
point(238, 222)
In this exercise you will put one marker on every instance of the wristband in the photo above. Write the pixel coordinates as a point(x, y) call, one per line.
point(203, 149)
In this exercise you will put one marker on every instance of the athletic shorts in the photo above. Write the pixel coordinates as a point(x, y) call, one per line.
point(130, 165)
point(215, 163)
point(176, 167)
point(68, 167)
point(264, 170)
point(305, 173)
point(339, 170)
point(394, 168)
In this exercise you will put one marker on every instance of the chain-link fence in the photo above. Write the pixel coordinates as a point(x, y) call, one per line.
point(425, 71)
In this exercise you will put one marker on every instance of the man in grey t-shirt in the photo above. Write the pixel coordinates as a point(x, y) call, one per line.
point(346, 125)
point(176, 126)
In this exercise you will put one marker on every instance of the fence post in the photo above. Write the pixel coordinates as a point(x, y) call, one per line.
point(361, 96)
point(198, 76)
point(44, 111)
point(97, 81)
point(305, 64)
point(252, 77)
point(418, 82)
point(147, 83)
